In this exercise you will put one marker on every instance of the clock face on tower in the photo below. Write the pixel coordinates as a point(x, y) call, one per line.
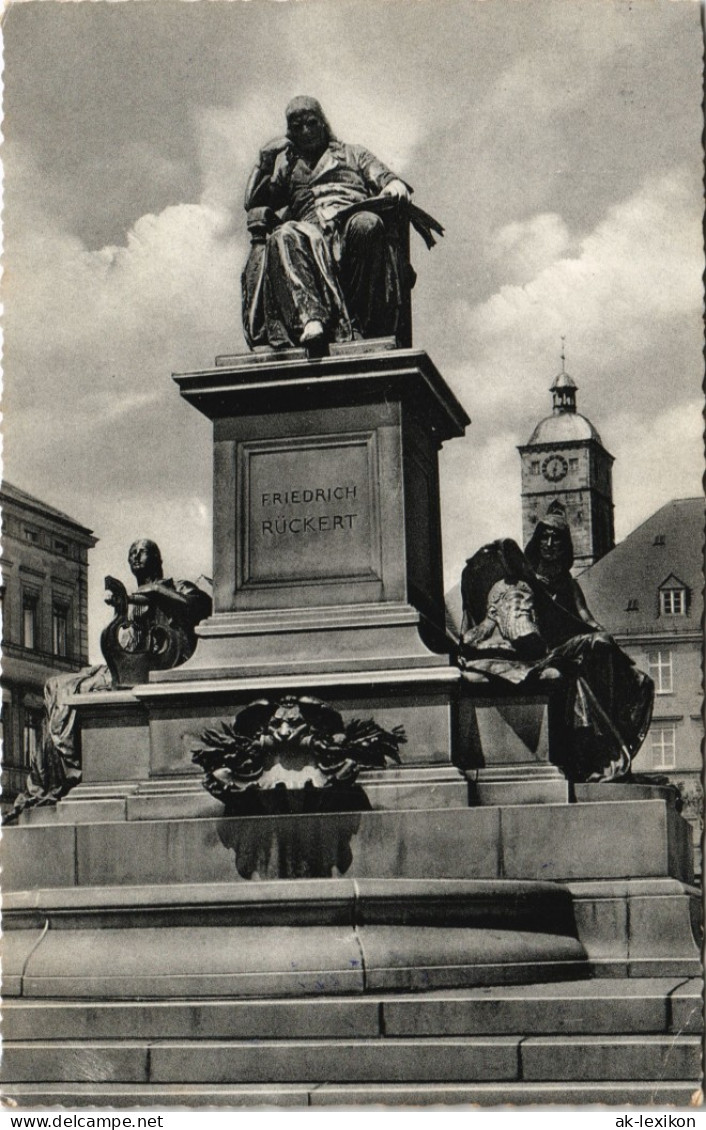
point(554, 468)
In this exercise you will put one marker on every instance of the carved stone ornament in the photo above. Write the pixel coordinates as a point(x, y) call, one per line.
point(292, 743)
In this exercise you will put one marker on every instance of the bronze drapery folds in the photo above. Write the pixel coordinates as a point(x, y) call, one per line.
point(329, 227)
point(526, 623)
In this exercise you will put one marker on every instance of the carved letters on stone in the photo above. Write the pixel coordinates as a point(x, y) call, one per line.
point(311, 510)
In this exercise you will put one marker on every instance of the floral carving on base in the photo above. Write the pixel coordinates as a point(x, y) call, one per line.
point(291, 743)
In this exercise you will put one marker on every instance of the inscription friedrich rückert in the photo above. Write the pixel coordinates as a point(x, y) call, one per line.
point(307, 523)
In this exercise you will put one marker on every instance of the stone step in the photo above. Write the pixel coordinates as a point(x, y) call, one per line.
point(480, 903)
point(559, 842)
point(275, 961)
point(184, 797)
point(588, 1007)
point(32, 1096)
point(550, 1059)
point(289, 938)
point(353, 928)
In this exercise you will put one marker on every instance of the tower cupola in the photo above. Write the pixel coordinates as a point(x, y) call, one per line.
point(563, 390)
point(567, 470)
point(563, 394)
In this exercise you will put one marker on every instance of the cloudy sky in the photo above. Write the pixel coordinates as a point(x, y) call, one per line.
point(558, 142)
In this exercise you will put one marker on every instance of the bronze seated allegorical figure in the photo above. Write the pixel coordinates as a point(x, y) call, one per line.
point(526, 623)
point(152, 629)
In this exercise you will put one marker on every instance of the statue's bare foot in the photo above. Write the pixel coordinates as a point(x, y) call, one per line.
point(313, 332)
point(549, 675)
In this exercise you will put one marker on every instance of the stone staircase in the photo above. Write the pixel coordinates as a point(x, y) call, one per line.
point(613, 1041)
point(503, 954)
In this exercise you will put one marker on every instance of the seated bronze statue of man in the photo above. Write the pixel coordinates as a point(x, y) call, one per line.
point(328, 262)
point(526, 623)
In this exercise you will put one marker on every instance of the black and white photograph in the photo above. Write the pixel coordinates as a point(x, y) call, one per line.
point(352, 576)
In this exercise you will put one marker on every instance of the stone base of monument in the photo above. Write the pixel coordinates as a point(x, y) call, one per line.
point(416, 948)
point(505, 736)
point(452, 929)
point(625, 863)
point(157, 952)
point(327, 539)
point(488, 954)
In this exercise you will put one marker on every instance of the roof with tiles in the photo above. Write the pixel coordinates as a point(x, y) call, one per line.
point(10, 493)
point(665, 552)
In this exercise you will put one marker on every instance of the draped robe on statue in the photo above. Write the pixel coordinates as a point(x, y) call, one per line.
point(55, 767)
point(607, 701)
point(323, 263)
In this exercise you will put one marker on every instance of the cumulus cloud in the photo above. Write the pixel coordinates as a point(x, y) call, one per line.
point(91, 339)
point(629, 302)
point(666, 452)
point(482, 116)
point(635, 276)
point(521, 250)
point(480, 480)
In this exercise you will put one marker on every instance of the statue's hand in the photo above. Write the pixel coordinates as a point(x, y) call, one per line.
point(115, 594)
point(398, 189)
point(270, 152)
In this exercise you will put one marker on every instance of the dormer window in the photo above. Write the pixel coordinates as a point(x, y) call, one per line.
point(632, 605)
point(673, 597)
point(673, 602)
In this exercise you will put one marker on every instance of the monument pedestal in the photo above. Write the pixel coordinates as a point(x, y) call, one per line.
point(327, 538)
point(157, 949)
point(327, 555)
point(506, 735)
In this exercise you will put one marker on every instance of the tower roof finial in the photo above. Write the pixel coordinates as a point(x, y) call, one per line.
point(563, 389)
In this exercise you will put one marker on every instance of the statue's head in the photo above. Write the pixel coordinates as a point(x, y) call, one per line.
point(551, 543)
point(145, 560)
point(511, 608)
point(307, 126)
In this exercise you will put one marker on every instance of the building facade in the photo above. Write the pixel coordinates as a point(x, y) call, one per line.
point(45, 618)
point(567, 470)
point(648, 593)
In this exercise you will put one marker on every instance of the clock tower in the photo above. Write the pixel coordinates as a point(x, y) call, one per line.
point(567, 470)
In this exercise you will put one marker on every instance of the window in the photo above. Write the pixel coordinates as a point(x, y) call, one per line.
point(663, 740)
point(535, 466)
point(672, 602)
point(61, 546)
point(573, 464)
point(633, 605)
point(659, 539)
point(31, 535)
point(60, 629)
point(659, 665)
point(31, 735)
point(30, 608)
